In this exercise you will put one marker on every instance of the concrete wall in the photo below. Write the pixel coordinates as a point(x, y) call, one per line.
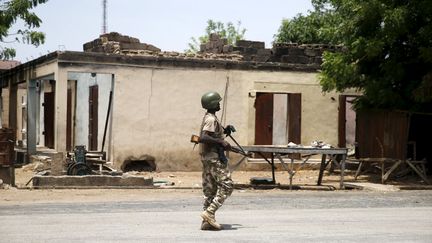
point(157, 110)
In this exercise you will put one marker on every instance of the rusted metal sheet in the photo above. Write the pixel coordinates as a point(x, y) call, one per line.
point(382, 134)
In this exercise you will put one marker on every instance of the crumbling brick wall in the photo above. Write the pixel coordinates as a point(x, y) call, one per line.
point(217, 48)
point(301, 54)
point(281, 52)
point(116, 43)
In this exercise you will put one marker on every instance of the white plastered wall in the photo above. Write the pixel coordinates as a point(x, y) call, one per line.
point(157, 110)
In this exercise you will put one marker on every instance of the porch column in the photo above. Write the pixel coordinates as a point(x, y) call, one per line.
point(60, 110)
point(31, 116)
point(13, 95)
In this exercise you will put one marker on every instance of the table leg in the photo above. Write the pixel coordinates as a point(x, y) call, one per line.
point(234, 167)
point(342, 166)
point(273, 168)
point(322, 167)
point(423, 176)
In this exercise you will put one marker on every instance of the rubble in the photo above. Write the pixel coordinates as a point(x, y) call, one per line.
point(216, 48)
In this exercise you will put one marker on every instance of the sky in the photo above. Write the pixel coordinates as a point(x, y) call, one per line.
point(166, 24)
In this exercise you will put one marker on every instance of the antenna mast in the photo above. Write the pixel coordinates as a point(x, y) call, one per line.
point(104, 16)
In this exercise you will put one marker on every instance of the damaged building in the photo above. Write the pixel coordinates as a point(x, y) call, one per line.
point(140, 104)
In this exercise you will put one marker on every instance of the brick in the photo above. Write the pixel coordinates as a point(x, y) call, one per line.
point(262, 58)
point(250, 51)
point(239, 49)
point(250, 44)
point(227, 48)
point(280, 51)
point(264, 52)
point(88, 46)
point(295, 59)
point(214, 37)
point(202, 47)
point(310, 52)
point(295, 51)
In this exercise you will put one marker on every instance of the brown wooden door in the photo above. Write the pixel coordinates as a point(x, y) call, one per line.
point(69, 121)
point(49, 106)
point(342, 122)
point(294, 118)
point(93, 117)
point(264, 119)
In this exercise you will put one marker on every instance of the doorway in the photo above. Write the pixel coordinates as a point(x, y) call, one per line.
point(93, 117)
point(347, 122)
point(277, 118)
point(48, 107)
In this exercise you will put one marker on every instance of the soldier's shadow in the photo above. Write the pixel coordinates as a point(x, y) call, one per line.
point(231, 226)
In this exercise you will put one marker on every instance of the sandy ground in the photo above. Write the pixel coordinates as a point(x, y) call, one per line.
point(193, 179)
point(178, 183)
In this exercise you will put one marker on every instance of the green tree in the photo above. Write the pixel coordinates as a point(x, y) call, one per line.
point(10, 12)
point(318, 26)
point(387, 54)
point(230, 31)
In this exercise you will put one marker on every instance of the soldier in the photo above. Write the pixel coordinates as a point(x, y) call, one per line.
point(216, 178)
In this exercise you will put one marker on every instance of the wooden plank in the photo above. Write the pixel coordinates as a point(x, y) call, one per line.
point(264, 118)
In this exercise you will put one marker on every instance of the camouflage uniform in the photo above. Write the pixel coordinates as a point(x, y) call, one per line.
point(216, 179)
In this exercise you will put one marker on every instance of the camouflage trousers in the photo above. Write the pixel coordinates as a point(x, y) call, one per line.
point(216, 183)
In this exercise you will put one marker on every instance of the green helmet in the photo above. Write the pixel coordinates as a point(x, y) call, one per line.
point(210, 100)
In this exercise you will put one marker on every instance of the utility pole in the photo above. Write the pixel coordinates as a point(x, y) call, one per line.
point(104, 16)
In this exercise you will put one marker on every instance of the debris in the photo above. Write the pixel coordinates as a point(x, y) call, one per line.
point(320, 144)
point(163, 183)
point(172, 175)
point(291, 144)
point(261, 181)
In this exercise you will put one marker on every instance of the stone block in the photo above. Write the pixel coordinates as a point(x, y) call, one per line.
point(250, 51)
point(87, 46)
point(295, 51)
point(239, 49)
point(202, 47)
point(138, 46)
point(250, 44)
point(214, 37)
point(295, 59)
point(227, 48)
point(310, 52)
point(279, 51)
point(262, 58)
point(264, 52)
point(134, 40)
point(57, 163)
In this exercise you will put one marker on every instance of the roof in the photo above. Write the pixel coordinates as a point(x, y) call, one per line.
point(8, 64)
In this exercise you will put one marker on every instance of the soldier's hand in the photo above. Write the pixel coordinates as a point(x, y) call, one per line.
point(226, 145)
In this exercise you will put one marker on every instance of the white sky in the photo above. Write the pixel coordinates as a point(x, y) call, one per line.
point(167, 24)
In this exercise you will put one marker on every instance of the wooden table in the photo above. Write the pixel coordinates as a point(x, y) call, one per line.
point(327, 155)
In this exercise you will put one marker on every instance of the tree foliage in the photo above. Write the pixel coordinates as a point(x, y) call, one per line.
point(387, 54)
point(318, 26)
point(10, 12)
point(230, 31)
